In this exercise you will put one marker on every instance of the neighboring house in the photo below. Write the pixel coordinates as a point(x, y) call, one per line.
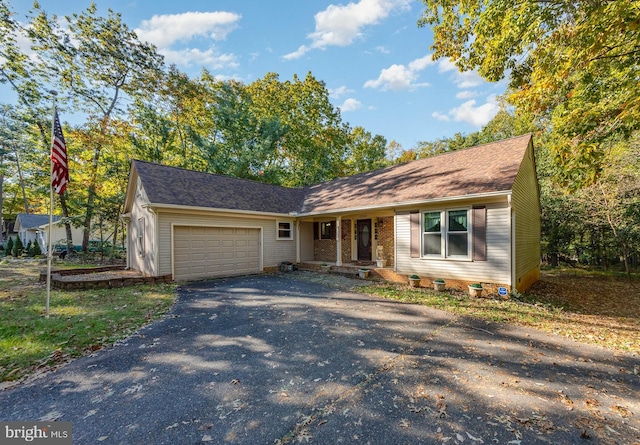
point(28, 227)
point(470, 215)
point(32, 228)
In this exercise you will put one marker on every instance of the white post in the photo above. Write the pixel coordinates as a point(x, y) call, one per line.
point(297, 235)
point(339, 240)
point(50, 249)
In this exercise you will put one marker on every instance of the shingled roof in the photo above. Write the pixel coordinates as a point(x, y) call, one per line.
point(477, 170)
point(472, 171)
point(181, 187)
point(30, 220)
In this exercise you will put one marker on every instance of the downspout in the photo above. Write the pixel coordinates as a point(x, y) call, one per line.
point(512, 243)
point(395, 241)
point(298, 259)
point(126, 218)
point(156, 259)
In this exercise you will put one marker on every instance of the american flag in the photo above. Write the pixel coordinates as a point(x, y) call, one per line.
point(60, 167)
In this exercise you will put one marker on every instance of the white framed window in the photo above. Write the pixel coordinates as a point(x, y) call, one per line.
point(446, 234)
point(458, 234)
point(432, 234)
point(284, 230)
point(140, 237)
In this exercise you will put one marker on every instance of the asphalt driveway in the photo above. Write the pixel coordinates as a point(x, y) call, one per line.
point(277, 359)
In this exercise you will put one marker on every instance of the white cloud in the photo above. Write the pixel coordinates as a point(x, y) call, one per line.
point(383, 49)
point(445, 65)
point(440, 116)
point(466, 94)
point(337, 93)
point(350, 105)
point(421, 63)
point(466, 79)
point(341, 25)
point(401, 77)
point(477, 116)
point(194, 56)
point(165, 30)
point(301, 51)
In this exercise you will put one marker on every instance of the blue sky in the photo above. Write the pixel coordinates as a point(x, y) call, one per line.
point(370, 54)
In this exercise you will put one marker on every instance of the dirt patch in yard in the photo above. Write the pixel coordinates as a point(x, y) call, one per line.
point(586, 294)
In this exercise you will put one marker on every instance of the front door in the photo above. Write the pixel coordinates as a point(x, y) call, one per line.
point(363, 230)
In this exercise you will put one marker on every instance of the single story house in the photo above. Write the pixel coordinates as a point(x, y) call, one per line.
point(35, 228)
point(470, 215)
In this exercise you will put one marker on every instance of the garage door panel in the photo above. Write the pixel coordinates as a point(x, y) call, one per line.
point(203, 252)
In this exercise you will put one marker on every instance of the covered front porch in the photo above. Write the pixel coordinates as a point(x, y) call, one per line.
point(357, 240)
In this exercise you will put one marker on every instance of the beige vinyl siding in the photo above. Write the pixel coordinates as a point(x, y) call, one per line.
point(526, 205)
point(495, 270)
point(145, 263)
point(273, 251)
point(306, 241)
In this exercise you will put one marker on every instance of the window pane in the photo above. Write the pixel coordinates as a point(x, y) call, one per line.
point(365, 236)
point(432, 244)
point(325, 230)
point(432, 222)
point(458, 221)
point(458, 244)
point(284, 230)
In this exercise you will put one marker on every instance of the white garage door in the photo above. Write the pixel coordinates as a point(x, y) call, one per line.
point(205, 252)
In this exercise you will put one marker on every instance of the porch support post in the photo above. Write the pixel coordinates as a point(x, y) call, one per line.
point(339, 241)
point(297, 234)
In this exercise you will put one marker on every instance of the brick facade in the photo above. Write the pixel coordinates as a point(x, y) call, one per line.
point(346, 240)
point(385, 239)
point(325, 250)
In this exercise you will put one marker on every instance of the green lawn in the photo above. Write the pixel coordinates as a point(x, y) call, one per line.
point(79, 322)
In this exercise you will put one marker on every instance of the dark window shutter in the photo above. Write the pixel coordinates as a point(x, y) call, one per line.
point(316, 230)
point(334, 227)
point(414, 222)
point(479, 233)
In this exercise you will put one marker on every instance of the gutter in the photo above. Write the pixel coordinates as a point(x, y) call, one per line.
point(395, 205)
point(254, 213)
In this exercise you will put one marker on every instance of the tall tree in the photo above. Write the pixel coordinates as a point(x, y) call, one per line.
point(245, 143)
point(19, 71)
point(364, 152)
point(95, 61)
point(313, 148)
point(573, 65)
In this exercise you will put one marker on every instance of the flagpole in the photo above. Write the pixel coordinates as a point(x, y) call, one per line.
point(50, 248)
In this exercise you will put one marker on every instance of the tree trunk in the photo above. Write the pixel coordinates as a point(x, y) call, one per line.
point(87, 218)
point(91, 197)
point(24, 194)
